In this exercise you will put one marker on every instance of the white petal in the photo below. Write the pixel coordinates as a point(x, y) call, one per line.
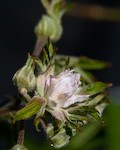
point(67, 84)
point(41, 80)
point(75, 99)
point(58, 114)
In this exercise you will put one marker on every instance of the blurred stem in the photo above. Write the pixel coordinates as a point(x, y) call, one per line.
point(4, 111)
point(43, 124)
point(95, 12)
point(21, 133)
point(40, 43)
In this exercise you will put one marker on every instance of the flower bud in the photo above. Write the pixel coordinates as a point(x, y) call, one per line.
point(58, 139)
point(25, 78)
point(19, 147)
point(49, 27)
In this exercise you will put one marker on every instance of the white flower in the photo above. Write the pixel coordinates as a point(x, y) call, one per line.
point(61, 91)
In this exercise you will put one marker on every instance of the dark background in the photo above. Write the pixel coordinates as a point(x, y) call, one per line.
point(95, 39)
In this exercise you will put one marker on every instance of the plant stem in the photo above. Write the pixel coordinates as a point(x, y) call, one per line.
point(4, 111)
point(21, 133)
point(40, 43)
point(43, 124)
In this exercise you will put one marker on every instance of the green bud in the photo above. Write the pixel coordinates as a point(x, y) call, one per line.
point(59, 139)
point(49, 27)
point(50, 130)
point(19, 147)
point(25, 78)
point(50, 24)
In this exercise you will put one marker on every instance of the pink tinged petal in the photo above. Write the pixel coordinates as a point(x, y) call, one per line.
point(75, 99)
point(49, 84)
point(58, 114)
point(66, 84)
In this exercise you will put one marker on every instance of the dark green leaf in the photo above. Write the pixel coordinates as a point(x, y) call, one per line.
point(112, 119)
point(84, 137)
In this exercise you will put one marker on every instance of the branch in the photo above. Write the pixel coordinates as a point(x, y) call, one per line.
point(21, 133)
point(40, 43)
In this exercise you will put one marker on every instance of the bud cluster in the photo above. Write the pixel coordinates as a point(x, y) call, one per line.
point(50, 24)
point(62, 96)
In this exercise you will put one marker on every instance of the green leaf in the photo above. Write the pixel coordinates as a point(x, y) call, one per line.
point(94, 88)
point(112, 119)
point(78, 118)
point(50, 48)
point(84, 110)
point(81, 113)
point(29, 110)
point(81, 139)
point(96, 116)
point(88, 63)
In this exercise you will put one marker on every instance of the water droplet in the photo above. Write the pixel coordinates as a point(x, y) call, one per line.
point(52, 145)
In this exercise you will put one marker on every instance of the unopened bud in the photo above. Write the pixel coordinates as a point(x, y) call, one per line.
point(59, 139)
point(50, 24)
point(19, 147)
point(49, 27)
point(25, 77)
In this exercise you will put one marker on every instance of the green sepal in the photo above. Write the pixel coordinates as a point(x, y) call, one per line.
point(36, 123)
point(94, 88)
point(81, 113)
point(96, 116)
point(29, 110)
point(94, 101)
point(75, 117)
point(47, 58)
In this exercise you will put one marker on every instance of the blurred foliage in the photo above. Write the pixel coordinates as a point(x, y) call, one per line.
point(81, 64)
point(94, 136)
point(95, 12)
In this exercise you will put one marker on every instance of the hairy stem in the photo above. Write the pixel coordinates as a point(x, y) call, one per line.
point(21, 133)
point(40, 43)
